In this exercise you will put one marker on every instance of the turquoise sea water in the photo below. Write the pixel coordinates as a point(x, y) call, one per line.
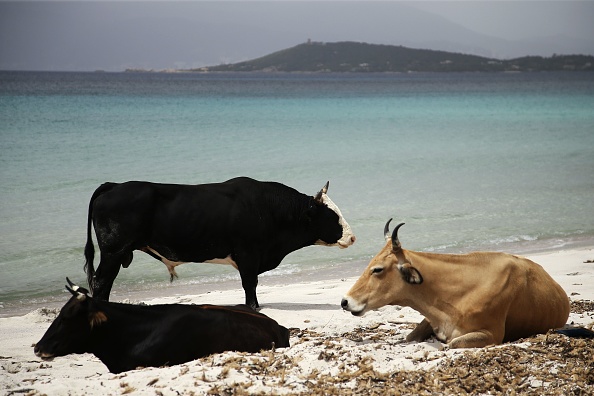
point(468, 161)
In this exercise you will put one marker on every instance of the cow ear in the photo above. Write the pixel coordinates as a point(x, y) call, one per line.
point(410, 274)
point(96, 318)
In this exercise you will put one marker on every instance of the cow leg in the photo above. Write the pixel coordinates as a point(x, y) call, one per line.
point(421, 332)
point(249, 281)
point(108, 269)
point(477, 339)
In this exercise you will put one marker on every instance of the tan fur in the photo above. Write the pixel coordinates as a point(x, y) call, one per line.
point(470, 300)
point(96, 318)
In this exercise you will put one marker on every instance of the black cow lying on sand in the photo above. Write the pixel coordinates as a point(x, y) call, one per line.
point(242, 222)
point(125, 336)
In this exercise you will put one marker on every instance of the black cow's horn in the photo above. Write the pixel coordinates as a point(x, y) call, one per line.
point(71, 291)
point(72, 287)
point(324, 190)
point(77, 291)
point(395, 242)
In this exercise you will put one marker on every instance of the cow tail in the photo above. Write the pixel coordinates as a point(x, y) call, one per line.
point(89, 247)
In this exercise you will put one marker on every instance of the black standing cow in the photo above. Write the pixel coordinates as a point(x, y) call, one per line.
point(249, 224)
point(126, 336)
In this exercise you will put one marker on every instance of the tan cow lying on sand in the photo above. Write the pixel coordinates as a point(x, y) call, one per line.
point(469, 300)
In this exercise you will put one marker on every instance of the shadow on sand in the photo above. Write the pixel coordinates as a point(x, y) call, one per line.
point(301, 307)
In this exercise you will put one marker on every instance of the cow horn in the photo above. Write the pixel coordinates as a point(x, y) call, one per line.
point(77, 291)
point(395, 242)
point(324, 190)
point(71, 284)
point(387, 230)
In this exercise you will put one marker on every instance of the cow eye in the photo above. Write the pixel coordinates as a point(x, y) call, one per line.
point(377, 270)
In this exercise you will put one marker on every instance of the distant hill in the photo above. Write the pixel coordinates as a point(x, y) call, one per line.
point(362, 57)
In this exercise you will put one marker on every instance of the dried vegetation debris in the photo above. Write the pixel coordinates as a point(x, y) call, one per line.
point(582, 306)
point(547, 364)
point(550, 364)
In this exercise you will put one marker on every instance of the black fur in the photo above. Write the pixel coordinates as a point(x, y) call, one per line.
point(255, 223)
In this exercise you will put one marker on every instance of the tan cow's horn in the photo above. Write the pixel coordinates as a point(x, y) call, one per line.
point(396, 247)
point(387, 230)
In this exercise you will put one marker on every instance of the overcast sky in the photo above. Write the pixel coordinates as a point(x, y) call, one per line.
point(115, 35)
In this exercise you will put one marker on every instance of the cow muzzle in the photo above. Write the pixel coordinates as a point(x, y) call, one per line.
point(353, 307)
point(43, 355)
point(346, 241)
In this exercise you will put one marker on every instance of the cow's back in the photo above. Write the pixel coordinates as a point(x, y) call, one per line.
point(235, 203)
point(122, 198)
point(243, 329)
point(190, 332)
point(539, 304)
point(135, 214)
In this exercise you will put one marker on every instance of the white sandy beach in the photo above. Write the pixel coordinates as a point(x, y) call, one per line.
point(330, 346)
